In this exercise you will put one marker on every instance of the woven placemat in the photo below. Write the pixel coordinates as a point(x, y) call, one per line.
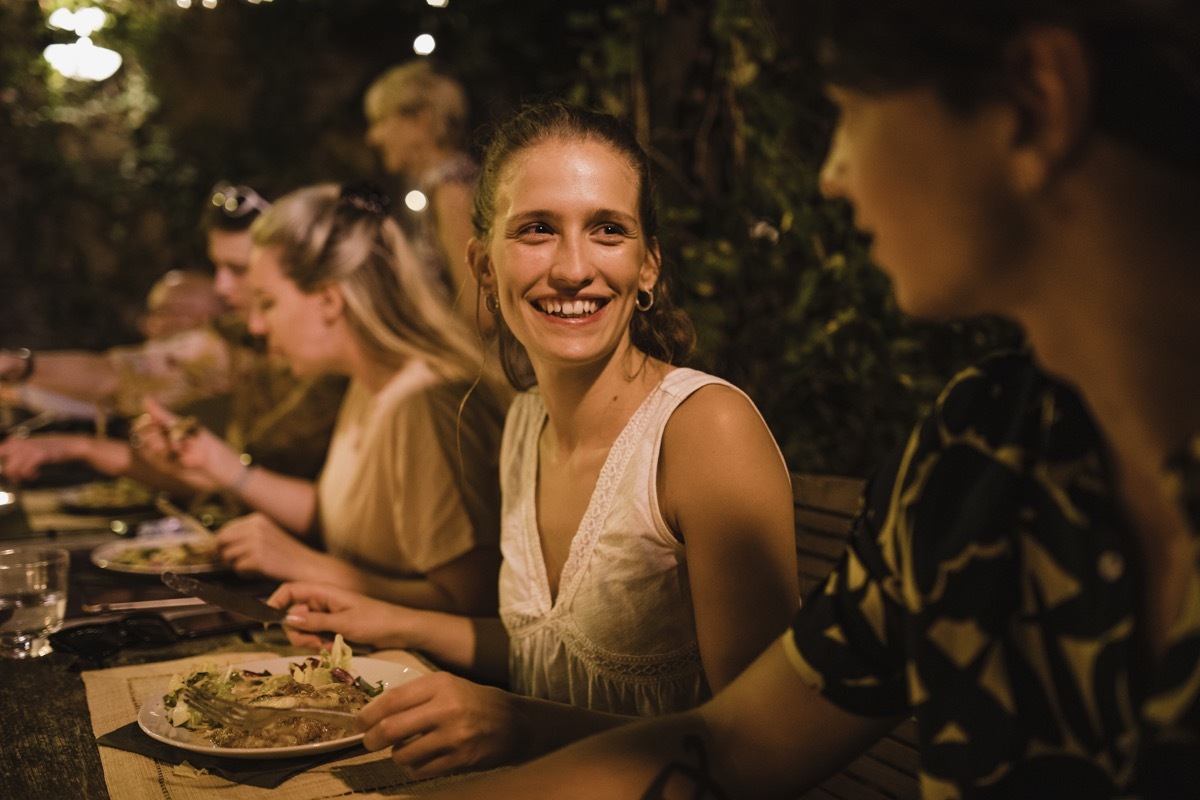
point(137, 767)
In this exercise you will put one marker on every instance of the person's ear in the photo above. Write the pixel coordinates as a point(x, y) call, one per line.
point(1050, 85)
point(651, 267)
point(331, 303)
point(480, 264)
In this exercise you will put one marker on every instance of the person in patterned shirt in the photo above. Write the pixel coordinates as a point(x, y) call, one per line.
point(1023, 575)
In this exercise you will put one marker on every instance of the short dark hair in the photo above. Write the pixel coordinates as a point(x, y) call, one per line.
point(1145, 56)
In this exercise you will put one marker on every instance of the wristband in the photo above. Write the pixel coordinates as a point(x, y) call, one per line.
point(243, 478)
point(26, 355)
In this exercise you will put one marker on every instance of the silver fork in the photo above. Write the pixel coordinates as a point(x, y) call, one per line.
point(254, 717)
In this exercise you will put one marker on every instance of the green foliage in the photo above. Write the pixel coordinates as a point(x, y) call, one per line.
point(782, 293)
point(103, 182)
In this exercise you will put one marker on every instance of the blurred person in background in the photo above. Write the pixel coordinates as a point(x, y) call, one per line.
point(406, 507)
point(183, 359)
point(270, 416)
point(417, 121)
point(273, 417)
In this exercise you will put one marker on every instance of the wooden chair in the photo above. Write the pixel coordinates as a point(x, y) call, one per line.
point(825, 506)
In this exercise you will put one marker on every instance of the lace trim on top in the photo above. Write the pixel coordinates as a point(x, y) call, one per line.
point(592, 524)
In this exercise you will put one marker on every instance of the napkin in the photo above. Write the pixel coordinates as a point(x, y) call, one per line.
point(252, 772)
point(136, 767)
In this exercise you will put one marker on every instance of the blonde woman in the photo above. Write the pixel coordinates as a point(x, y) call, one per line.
point(406, 507)
point(417, 120)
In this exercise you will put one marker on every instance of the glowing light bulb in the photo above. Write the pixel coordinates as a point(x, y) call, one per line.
point(83, 60)
point(83, 22)
point(63, 19)
point(438, 3)
point(89, 20)
point(416, 200)
point(424, 44)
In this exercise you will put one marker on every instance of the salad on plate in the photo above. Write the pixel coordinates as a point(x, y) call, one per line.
point(323, 681)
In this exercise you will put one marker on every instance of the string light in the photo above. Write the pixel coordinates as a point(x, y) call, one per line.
point(81, 60)
point(416, 200)
point(424, 44)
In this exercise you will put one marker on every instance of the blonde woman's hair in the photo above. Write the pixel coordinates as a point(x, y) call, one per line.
point(415, 86)
point(328, 234)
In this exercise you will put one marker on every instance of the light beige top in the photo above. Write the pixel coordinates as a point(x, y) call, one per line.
point(392, 497)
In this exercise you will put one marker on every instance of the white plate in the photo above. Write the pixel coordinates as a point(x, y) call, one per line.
point(90, 500)
point(154, 721)
point(106, 554)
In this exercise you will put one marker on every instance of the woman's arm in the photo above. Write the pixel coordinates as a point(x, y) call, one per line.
point(476, 646)
point(206, 462)
point(767, 735)
point(75, 373)
point(725, 490)
point(292, 502)
point(24, 458)
point(466, 585)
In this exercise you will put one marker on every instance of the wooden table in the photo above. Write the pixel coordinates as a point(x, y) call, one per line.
point(48, 748)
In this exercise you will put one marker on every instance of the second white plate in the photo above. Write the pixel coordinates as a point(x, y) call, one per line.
point(108, 555)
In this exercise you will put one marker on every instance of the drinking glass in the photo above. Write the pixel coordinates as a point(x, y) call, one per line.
point(33, 599)
point(10, 499)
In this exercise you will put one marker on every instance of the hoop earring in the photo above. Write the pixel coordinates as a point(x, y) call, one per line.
point(648, 303)
point(492, 303)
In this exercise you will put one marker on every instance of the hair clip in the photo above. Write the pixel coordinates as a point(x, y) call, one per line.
point(366, 197)
point(236, 201)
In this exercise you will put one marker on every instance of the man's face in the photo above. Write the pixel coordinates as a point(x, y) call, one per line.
point(229, 252)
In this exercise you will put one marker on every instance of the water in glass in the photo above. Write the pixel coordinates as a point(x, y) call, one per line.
point(33, 599)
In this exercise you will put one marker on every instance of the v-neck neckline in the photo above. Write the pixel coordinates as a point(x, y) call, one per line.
point(584, 539)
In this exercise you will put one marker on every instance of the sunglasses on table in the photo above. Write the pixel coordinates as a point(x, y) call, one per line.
point(96, 641)
point(236, 201)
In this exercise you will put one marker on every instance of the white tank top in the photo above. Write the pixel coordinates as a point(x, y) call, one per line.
point(621, 634)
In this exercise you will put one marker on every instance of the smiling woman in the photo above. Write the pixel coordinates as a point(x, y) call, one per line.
point(647, 521)
point(660, 329)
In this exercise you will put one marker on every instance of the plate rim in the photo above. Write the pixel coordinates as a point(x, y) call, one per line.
point(150, 541)
point(153, 705)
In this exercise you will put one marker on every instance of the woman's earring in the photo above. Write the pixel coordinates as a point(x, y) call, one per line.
point(644, 299)
point(492, 303)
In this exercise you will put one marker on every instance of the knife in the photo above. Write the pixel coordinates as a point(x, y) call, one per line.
point(229, 599)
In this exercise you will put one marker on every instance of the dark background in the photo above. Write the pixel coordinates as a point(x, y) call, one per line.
point(100, 184)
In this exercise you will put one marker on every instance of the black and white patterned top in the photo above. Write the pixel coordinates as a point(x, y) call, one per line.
point(991, 588)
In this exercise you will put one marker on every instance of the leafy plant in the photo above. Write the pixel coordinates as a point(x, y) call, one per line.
point(103, 182)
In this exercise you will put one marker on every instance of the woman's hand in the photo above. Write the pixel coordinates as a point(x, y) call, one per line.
point(14, 365)
point(440, 723)
point(316, 611)
point(257, 544)
point(189, 452)
point(23, 458)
